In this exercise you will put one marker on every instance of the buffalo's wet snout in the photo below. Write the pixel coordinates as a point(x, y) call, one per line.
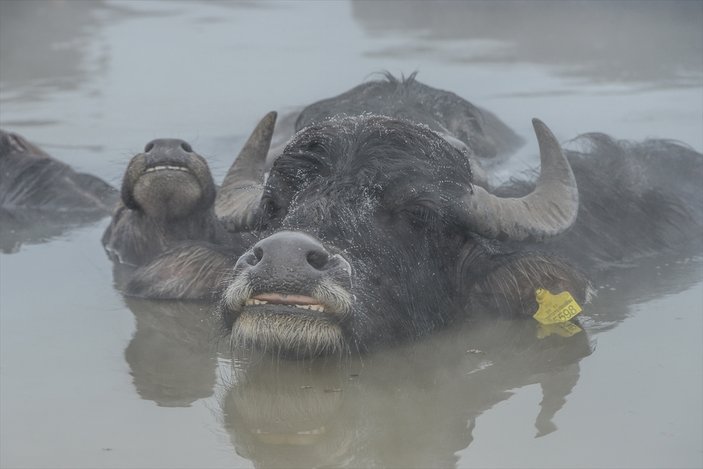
point(295, 265)
point(292, 262)
point(289, 293)
point(168, 180)
point(168, 150)
point(289, 252)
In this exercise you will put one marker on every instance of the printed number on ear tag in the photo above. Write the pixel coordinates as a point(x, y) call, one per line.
point(555, 309)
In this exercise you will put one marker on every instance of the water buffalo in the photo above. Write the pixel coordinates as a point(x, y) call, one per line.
point(376, 233)
point(170, 356)
point(371, 230)
point(169, 197)
point(464, 125)
point(41, 196)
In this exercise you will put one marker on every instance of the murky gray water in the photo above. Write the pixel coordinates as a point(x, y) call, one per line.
point(89, 379)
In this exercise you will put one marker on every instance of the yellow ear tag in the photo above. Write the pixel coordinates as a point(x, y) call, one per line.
point(555, 309)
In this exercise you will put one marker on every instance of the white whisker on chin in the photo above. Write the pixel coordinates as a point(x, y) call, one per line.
point(288, 335)
point(237, 292)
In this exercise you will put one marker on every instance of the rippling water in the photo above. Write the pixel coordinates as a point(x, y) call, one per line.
point(89, 379)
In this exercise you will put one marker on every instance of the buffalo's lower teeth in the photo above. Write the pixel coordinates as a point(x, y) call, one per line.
point(318, 308)
point(160, 168)
point(252, 301)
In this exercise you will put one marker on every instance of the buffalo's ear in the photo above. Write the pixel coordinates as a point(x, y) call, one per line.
point(509, 287)
point(192, 271)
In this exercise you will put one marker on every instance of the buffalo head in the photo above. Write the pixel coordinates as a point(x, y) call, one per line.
point(372, 231)
point(169, 197)
point(168, 180)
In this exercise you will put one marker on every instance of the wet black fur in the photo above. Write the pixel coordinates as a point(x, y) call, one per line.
point(637, 199)
point(408, 99)
point(187, 270)
point(135, 238)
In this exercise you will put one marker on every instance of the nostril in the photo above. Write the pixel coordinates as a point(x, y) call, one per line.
point(258, 253)
point(186, 147)
point(149, 146)
point(250, 258)
point(318, 258)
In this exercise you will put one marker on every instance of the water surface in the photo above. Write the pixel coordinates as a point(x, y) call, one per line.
point(90, 379)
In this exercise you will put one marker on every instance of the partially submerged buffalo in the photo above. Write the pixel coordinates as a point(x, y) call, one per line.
point(479, 132)
point(41, 196)
point(372, 230)
point(376, 233)
point(168, 196)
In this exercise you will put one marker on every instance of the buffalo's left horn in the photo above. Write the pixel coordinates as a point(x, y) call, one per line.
point(549, 210)
point(238, 199)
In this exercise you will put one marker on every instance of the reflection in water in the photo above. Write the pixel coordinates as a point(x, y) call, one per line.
point(414, 406)
point(657, 42)
point(417, 405)
point(172, 355)
point(31, 228)
point(620, 289)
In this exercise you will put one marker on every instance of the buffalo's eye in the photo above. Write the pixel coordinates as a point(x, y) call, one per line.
point(269, 211)
point(269, 208)
point(420, 216)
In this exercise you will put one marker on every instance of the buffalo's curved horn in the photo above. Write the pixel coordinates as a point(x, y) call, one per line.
point(238, 198)
point(549, 210)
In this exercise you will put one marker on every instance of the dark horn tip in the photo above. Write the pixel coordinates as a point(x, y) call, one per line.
point(271, 116)
point(538, 124)
point(265, 125)
point(541, 130)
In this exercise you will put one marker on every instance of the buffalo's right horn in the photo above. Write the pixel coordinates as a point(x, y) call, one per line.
point(238, 198)
point(549, 210)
